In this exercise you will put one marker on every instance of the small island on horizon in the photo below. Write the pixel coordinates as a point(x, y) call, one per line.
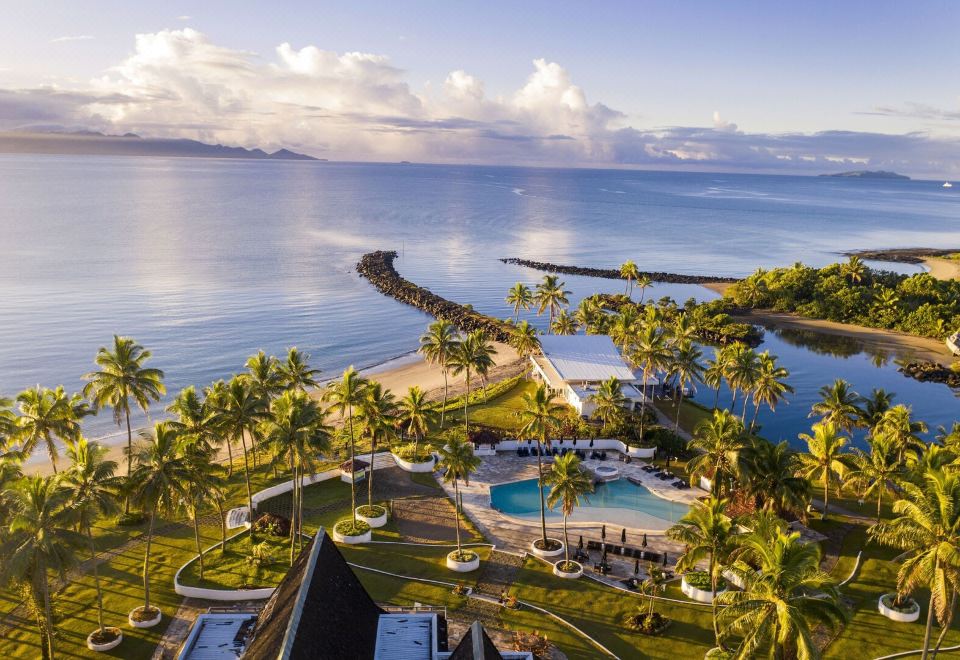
point(868, 174)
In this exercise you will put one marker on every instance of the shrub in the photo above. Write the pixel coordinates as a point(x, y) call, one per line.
point(460, 589)
point(371, 511)
point(701, 580)
point(568, 566)
point(534, 643)
point(260, 555)
point(349, 528)
point(900, 603)
point(105, 636)
point(272, 524)
point(143, 614)
point(647, 623)
point(406, 452)
point(551, 544)
point(717, 653)
point(463, 555)
point(131, 519)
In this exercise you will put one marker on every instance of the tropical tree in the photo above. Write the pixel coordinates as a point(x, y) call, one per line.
point(770, 387)
point(296, 373)
point(874, 407)
point(47, 416)
point(825, 459)
point(415, 414)
point(838, 404)
point(39, 540)
point(92, 492)
point(569, 483)
point(781, 602)
point(643, 283)
point(345, 395)
point(877, 472)
point(482, 351)
point(550, 296)
point(741, 373)
point(610, 402)
point(539, 415)
point(264, 376)
point(927, 526)
point(464, 360)
point(202, 480)
point(714, 373)
point(438, 345)
point(122, 378)
point(378, 414)
point(686, 368)
point(903, 432)
point(717, 443)
point(769, 477)
point(706, 532)
point(519, 297)
point(158, 483)
point(524, 339)
point(629, 272)
point(651, 353)
point(458, 462)
point(854, 270)
point(590, 316)
point(564, 324)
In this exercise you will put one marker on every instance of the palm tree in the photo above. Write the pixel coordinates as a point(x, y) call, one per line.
point(568, 484)
point(122, 377)
point(551, 296)
point(623, 327)
point(47, 416)
point(769, 477)
point(378, 413)
point(717, 442)
point(297, 431)
point(539, 416)
point(610, 402)
point(437, 345)
point(706, 532)
point(770, 387)
point(782, 601)
point(39, 540)
point(92, 492)
point(197, 456)
point(483, 352)
point(344, 396)
point(564, 324)
point(458, 461)
point(158, 482)
point(839, 405)
point(901, 430)
point(416, 414)
point(824, 460)
point(629, 272)
point(854, 270)
point(240, 410)
point(687, 369)
point(874, 406)
point(651, 353)
point(464, 360)
point(296, 373)
point(524, 339)
point(519, 297)
point(264, 375)
point(713, 374)
point(590, 316)
point(742, 371)
point(643, 283)
point(927, 527)
point(876, 472)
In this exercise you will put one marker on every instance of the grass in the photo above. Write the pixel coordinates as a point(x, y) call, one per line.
point(233, 570)
point(499, 412)
point(691, 413)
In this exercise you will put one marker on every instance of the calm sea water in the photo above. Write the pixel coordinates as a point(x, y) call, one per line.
point(206, 261)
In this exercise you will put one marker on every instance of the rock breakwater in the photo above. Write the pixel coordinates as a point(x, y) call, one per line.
point(614, 274)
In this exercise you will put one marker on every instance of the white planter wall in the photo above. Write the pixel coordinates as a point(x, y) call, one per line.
point(601, 444)
point(546, 553)
point(893, 615)
point(145, 624)
point(287, 486)
point(699, 595)
point(379, 521)
point(463, 566)
point(409, 466)
point(352, 540)
point(565, 575)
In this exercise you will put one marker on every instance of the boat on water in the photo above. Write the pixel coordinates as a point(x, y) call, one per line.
point(947, 184)
point(953, 343)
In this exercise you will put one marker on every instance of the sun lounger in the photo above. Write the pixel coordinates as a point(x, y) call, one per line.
point(636, 481)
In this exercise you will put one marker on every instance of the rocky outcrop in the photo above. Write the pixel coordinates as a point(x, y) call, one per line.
point(614, 274)
point(378, 268)
point(901, 255)
point(931, 372)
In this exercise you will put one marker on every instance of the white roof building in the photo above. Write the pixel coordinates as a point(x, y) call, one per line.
point(574, 366)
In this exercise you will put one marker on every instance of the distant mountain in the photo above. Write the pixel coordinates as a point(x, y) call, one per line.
point(98, 144)
point(869, 174)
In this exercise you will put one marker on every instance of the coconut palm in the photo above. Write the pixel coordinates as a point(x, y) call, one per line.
point(46, 417)
point(378, 412)
point(437, 345)
point(877, 472)
point(623, 326)
point(854, 270)
point(483, 352)
point(8, 421)
point(524, 339)
point(769, 477)
point(519, 297)
point(345, 395)
point(123, 378)
point(158, 483)
point(465, 358)
point(770, 387)
point(686, 367)
point(610, 402)
point(198, 459)
point(458, 462)
point(629, 272)
point(713, 374)
point(296, 373)
point(706, 532)
point(415, 414)
point(564, 324)
point(297, 431)
point(903, 433)
point(550, 296)
point(194, 416)
point(741, 373)
point(781, 602)
point(264, 375)
point(651, 353)
point(39, 540)
point(927, 526)
point(839, 405)
point(825, 459)
point(569, 483)
point(590, 316)
point(92, 492)
point(643, 283)
point(874, 406)
point(539, 415)
point(718, 442)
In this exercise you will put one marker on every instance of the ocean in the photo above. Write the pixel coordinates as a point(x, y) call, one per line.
point(207, 261)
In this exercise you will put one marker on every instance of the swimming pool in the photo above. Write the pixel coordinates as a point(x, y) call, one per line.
point(618, 502)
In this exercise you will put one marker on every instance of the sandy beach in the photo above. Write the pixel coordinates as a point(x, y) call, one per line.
point(942, 269)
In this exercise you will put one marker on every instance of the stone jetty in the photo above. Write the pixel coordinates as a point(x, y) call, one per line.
point(614, 274)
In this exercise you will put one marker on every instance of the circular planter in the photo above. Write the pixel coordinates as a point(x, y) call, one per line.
point(144, 624)
point(568, 575)
point(463, 566)
point(894, 615)
point(547, 553)
point(352, 540)
point(379, 521)
point(409, 466)
point(106, 646)
point(694, 593)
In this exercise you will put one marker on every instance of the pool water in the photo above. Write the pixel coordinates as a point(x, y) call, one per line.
point(618, 502)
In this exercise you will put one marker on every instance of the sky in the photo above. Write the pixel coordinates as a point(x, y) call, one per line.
point(743, 86)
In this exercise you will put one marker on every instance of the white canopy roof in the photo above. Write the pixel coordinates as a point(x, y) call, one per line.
point(585, 358)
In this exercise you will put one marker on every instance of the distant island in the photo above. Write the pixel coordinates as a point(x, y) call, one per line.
point(869, 174)
point(98, 144)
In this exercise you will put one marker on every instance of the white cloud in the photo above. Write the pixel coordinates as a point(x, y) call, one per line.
point(184, 18)
point(77, 37)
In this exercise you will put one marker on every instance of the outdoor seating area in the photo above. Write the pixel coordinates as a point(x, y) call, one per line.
point(534, 450)
point(663, 475)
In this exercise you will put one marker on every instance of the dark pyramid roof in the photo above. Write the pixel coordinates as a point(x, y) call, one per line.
point(476, 645)
point(319, 610)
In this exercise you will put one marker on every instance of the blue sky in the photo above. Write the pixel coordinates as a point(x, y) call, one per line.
point(699, 85)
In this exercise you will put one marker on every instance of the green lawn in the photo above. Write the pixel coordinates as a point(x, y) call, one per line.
point(232, 570)
point(691, 414)
point(499, 412)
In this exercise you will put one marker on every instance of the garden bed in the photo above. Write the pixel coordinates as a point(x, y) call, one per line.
point(235, 572)
point(464, 561)
point(554, 548)
point(346, 531)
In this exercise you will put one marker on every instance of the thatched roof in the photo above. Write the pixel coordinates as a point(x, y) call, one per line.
point(484, 437)
point(356, 465)
point(476, 645)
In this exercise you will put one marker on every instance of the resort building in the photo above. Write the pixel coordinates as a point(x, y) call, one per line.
point(574, 366)
point(321, 610)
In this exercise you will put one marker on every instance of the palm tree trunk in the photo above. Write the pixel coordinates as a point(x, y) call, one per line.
point(676, 425)
point(126, 501)
point(643, 403)
point(96, 579)
point(566, 542)
point(223, 526)
point(756, 413)
point(946, 624)
point(246, 477)
point(826, 494)
point(926, 634)
point(229, 457)
point(47, 614)
point(466, 400)
point(713, 592)
point(373, 448)
point(456, 512)
point(196, 537)
point(543, 508)
point(293, 513)
point(300, 510)
point(879, 497)
point(716, 398)
point(443, 410)
point(353, 475)
point(146, 562)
